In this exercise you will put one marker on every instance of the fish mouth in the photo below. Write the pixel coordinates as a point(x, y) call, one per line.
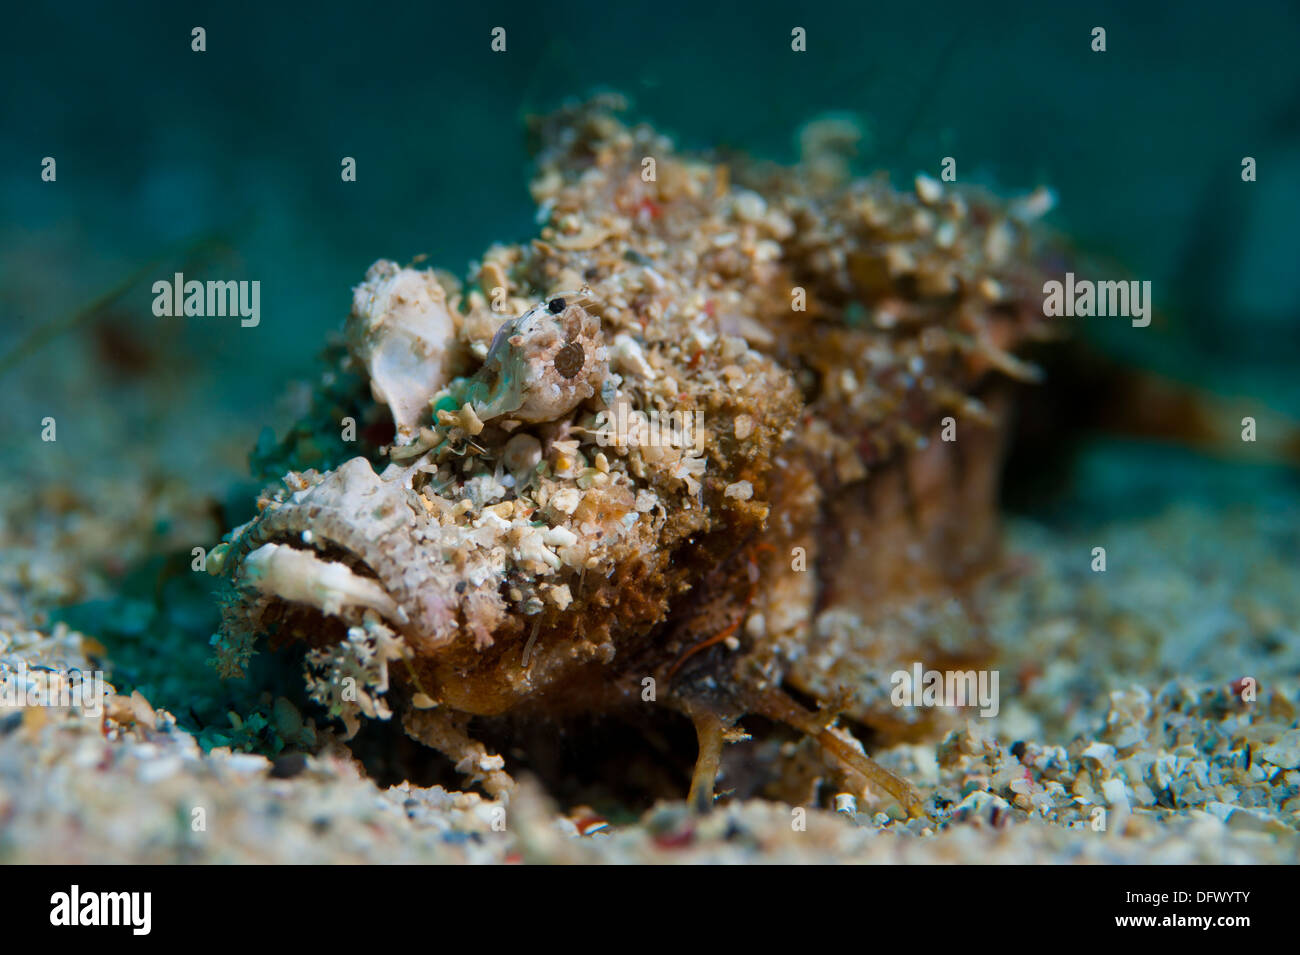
point(332, 580)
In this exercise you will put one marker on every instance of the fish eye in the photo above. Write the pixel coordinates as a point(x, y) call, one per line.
point(555, 306)
point(570, 359)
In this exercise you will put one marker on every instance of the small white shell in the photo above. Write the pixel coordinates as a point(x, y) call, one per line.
point(301, 577)
point(400, 330)
point(521, 454)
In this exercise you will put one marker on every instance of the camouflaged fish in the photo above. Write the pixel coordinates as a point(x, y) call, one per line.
point(691, 447)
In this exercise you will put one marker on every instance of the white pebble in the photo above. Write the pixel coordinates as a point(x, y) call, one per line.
point(741, 491)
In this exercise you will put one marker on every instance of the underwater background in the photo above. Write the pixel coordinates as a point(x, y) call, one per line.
point(227, 163)
point(158, 146)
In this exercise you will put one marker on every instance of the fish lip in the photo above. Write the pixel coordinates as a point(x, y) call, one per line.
point(296, 573)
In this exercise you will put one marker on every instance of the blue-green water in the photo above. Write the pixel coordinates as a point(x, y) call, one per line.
point(157, 144)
